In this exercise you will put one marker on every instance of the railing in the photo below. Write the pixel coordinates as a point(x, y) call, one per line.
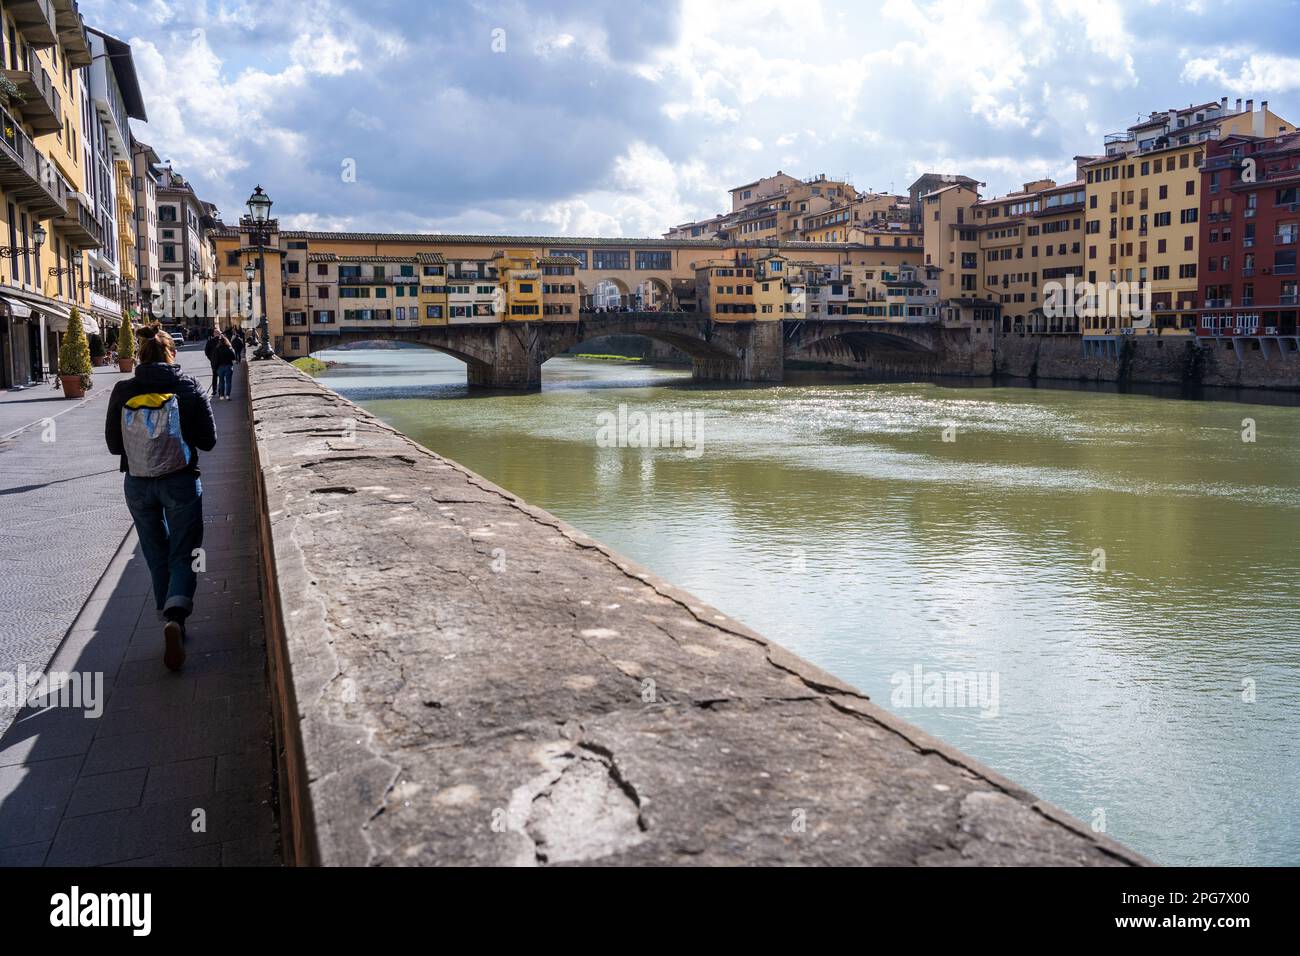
point(35, 19)
point(36, 80)
point(37, 179)
point(377, 280)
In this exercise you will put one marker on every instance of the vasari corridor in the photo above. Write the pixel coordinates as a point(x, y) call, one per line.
point(686, 434)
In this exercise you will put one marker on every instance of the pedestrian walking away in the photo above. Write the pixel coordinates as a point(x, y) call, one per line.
point(209, 347)
point(223, 365)
point(237, 343)
point(158, 422)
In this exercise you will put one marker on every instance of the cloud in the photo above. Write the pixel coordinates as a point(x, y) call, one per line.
point(609, 118)
point(1252, 74)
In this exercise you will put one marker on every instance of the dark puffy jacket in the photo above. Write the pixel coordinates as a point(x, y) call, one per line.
point(197, 427)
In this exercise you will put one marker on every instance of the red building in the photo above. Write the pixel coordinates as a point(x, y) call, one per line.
point(1250, 216)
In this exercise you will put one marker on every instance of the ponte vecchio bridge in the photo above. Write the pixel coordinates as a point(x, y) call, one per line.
point(310, 300)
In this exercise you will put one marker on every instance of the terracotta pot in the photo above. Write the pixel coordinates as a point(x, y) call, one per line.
point(126, 365)
point(72, 387)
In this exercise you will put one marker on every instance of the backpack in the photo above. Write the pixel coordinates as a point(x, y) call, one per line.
point(151, 435)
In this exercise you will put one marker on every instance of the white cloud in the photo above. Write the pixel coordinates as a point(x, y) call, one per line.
point(1252, 74)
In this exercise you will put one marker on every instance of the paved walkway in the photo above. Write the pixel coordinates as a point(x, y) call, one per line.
point(158, 768)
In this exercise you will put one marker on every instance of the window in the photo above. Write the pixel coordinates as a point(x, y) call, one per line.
point(433, 312)
point(579, 254)
point(654, 260)
point(611, 259)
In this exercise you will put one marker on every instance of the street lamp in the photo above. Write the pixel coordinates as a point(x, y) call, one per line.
point(259, 214)
point(71, 270)
point(249, 271)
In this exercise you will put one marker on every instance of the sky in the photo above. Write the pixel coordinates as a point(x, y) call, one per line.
point(623, 118)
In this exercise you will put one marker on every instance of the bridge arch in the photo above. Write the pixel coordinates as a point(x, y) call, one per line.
point(691, 334)
point(822, 336)
point(473, 353)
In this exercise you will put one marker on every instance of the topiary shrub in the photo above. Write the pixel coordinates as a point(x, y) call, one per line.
point(125, 339)
point(74, 352)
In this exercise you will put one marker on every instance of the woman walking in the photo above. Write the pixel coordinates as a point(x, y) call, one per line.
point(158, 421)
point(223, 360)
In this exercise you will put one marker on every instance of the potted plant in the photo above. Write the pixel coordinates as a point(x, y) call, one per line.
point(10, 95)
point(126, 345)
point(98, 355)
point(74, 358)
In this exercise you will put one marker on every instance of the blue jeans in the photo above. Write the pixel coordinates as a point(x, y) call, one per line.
point(224, 375)
point(168, 514)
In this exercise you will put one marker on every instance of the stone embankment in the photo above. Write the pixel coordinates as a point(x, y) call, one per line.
point(462, 678)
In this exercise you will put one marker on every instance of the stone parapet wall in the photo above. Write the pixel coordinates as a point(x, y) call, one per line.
point(462, 678)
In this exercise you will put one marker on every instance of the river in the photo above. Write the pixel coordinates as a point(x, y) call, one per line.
point(1117, 574)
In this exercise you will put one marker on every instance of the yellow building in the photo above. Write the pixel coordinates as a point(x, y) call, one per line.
point(772, 299)
point(725, 288)
point(44, 219)
point(1143, 210)
point(126, 237)
point(433, 288)
point(561, 300)
point(520, 281)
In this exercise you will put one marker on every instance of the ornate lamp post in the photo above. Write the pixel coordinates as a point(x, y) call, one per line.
point(259, 214)
point(249, 272)
point(71, 270)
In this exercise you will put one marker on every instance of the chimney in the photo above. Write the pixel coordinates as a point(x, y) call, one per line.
point(1257, 120)
point(1250, 106)
point(1223, 104)
point(1238, 109)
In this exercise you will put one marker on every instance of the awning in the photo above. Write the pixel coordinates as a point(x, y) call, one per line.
point(56, 319)
point(16, 308)
point(113, 319)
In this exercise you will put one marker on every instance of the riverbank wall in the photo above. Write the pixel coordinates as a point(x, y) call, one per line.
point(1271, 363)
point(462, 678)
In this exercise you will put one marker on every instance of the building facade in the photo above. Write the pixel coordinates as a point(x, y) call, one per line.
point(1250, 222)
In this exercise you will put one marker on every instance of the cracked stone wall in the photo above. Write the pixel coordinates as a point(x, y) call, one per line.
point(465, 679)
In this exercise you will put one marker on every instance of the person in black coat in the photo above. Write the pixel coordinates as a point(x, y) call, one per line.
point(168, 509)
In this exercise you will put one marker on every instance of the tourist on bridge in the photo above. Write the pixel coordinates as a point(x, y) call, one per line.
point(223, 365)
point(237, 343)
point(158, 421)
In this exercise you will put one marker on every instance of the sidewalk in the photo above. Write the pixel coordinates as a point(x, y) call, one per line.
point(159, 768)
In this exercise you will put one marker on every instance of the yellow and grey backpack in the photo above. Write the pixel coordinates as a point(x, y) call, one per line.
point(151, 435)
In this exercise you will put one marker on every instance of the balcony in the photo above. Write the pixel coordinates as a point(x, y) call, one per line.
point(25, 175)
point(41, 107)
point(378, 280)
point(35, 21)
point(78, 223)
point(72, 32)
